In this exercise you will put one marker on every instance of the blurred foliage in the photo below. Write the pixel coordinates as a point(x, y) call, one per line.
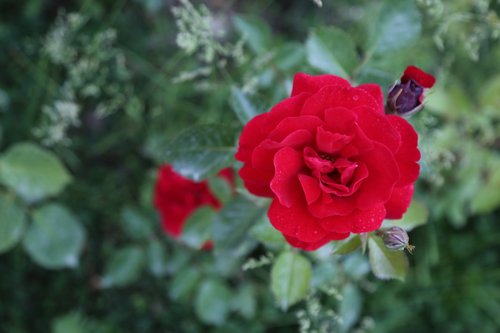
point(95, 95)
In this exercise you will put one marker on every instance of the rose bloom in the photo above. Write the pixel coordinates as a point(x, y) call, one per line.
point(176, 197)
point(330, 159)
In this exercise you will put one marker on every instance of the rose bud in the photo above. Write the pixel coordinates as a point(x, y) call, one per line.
point(396, 238)
point(406, 96)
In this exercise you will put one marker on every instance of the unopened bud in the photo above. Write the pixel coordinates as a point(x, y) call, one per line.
point(396, 238)
point(406, 96)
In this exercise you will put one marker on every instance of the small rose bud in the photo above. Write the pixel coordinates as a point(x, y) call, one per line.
point(406, 96)
point(396, 238)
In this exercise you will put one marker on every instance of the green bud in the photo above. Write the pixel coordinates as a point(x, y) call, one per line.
point(396, 238)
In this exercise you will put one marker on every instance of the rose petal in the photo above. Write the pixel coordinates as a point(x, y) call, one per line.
point(376, 92)
point(334, 96)
point(312, 83)
point(329, 205)
point(382, 176)
point(416, 74)
point(378, 127)
point(399, 202)
point(259, 127)
point(292, 124)
point(295, 221)
point(311, 188)
point(314, 245)
point(358, 222)
point(285, 184)
point(408, 154)
point(331, 143)
point(256, 181)
point(339, 120)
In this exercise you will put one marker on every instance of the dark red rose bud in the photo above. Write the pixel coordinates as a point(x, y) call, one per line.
point(396, 238)
point(406, 97)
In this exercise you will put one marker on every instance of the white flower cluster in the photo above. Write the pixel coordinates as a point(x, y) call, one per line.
point(200, 32)
point(469, 23)
point(61, 115)
point(93, 77)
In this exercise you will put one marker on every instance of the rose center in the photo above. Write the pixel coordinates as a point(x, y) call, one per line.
point(336, 174)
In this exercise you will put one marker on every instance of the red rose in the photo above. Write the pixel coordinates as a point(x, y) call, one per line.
point(176, 197)
point(330, 159)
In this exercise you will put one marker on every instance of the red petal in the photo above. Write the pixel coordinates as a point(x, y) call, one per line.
point(329, 205)
point(336, 96)
point(376, 92)
point(331, 143)
point(259, 127)
point(378, 127)
point(382, 176)
point(256, 181)
point(314, 245)
point(399, 202)
point(408, 154)
point(296, 222)
point(339, 120)
point(312, 83)
point(285, 184)
point(311, 188)
point(292, 124)
point(358, 222)
point(424, 79)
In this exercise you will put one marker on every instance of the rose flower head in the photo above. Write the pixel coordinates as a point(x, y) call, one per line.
point(406, 97)
point(176, 197)
point(331, 160)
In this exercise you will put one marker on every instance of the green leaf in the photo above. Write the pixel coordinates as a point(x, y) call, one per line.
point(55, 238)
point(416, 215)
point(71, 323)
point(136, 225)
point(157, 259)
point(33, 172)
point(184, 283)
point(242, 106)
point(348, 246)
point(244, 301)
point(12, 222)
point(123, 267)
point(332, 51)
point(255, 32)
point(201, 151)
point(386, 264)
point(356, 266)
point(290, 55)
point(487, 198)
point(198, 227)
point(265, 233)
point(231, 227)
point(350, 307)
point(212, 302)
point(397, 25)
point(221, 188)
point(290, 278)
point(490, 93)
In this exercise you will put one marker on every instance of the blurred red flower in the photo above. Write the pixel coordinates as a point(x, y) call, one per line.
point(176, 197)
point(330, 158)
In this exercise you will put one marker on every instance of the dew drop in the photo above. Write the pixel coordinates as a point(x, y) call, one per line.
point(355, 97)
